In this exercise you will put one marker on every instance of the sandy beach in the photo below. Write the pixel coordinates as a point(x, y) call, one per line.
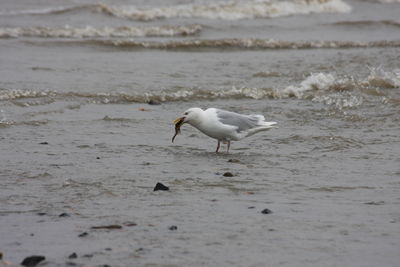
point(88, 93)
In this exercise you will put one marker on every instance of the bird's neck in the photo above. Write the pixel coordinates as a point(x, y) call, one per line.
point(199, 121)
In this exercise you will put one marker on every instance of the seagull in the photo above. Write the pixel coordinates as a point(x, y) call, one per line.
point(225, 126)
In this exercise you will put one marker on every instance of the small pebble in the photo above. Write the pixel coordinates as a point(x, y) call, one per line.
point(227, 174)
point(112, 226)
point(173, 227)
point(32, 261)
point(153, 102)
point(129, 224)
point(73, 256)
point(97, 157)
point(41, 213)
point(252, 207)
point(83, 234)
point(43, 143)
point(64, 214)
point(266, 211)
point(375, 203)
point(160, 186)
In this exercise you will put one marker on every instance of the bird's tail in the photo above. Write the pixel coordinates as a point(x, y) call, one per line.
point(263, 126)
point(269, 124)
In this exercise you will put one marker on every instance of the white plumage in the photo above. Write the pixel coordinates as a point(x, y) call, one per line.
point(225, 126)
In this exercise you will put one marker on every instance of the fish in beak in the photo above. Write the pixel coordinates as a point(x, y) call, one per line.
point(178, 123)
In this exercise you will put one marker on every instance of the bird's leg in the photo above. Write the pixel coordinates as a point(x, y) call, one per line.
point(229, 145)
point(217, 147)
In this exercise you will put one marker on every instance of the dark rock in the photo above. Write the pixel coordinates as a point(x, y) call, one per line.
point(88, 256)
point(375, 203)
point(154, 102)
point(64, 214)
point(227, 174)
point(32, 261)
point(129, 224)
point(41, 213)
point(173, 227)
point(234, 161)
point(252, 207)
point(83, 234)
point(71, 263)
point(266, 211)
point(43, 143)
point(110, 227)
point(160, 186)
point(73, 256)
point(97, 157)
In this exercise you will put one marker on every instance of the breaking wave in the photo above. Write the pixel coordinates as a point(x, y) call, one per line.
point(386, 1)
point(47, 11)
point(327, 88)
point(105, 32)
point(368, 23)
point(237, 43)
point(230, 10)
point(345, 92)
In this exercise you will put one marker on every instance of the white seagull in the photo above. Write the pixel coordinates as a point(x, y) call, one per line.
point(223, 125)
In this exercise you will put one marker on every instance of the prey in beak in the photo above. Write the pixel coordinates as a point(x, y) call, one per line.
point(178, 123)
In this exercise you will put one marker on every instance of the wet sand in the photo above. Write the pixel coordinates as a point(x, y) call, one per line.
point(332, 190)
point(82, 150)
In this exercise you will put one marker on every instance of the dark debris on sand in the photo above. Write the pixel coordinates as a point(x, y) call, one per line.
point(109, 227)
point(228, 174)
point(160, 186)
point(266, 211)
point(32, 261)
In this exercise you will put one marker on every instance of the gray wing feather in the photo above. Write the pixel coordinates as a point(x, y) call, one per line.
point(243, 122)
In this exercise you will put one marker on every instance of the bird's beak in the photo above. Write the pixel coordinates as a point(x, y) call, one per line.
point(179, 120)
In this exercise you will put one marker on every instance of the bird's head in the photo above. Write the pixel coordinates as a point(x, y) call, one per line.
point(189, 116)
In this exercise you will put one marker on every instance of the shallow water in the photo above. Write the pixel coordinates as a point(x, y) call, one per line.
point(78, 137)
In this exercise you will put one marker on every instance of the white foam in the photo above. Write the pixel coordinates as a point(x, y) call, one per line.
point(340, 100)
point(316, 81)
point(231, 10)
point(18, 93)
point(387, 1)
point(326, 88)
point(44, 11)
point(92, 32)
point(381, 78)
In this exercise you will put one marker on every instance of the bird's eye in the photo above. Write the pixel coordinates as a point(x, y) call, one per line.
point(186, 113)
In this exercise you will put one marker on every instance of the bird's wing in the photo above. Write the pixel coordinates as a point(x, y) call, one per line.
point(242, 122)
